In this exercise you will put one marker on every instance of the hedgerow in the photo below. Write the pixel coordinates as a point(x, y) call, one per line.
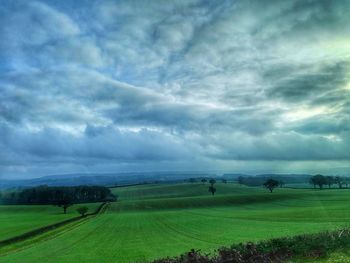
point(276, 250)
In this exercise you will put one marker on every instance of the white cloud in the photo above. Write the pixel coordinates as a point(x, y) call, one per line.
point(35, 23)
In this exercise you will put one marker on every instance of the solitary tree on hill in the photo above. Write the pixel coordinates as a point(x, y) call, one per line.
point(271, 184)
point(212, 189)
point(64, 202)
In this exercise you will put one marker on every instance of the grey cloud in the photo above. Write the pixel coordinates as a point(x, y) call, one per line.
point(279, 146)
point(313, 81)
point(192, 117)
point(96, 143)
point(122, 103)
point(336, 124)
point(135, 81)
point(297, 17)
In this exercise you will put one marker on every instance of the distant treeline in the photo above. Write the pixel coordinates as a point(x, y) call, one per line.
point(48, 195)
point(259, 181)
point(321, 181)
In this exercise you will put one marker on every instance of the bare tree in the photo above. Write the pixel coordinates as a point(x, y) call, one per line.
point(271, 184)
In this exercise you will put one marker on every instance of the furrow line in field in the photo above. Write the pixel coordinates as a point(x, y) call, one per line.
point(183, 233)
point(49, 232)
point(103, 210)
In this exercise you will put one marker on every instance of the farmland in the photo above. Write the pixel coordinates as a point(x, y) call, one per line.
point(153, 221)
point(18, 219)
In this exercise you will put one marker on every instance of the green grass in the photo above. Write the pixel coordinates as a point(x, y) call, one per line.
point(154, 221)
point(18, 219)
point(336, 257)
point(160, 191)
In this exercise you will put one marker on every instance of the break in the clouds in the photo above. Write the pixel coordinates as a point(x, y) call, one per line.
point(243, 86)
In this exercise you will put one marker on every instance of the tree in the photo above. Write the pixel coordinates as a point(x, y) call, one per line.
point(240, 180)
point(319, 180)
point(330, 181)
point(281, 184)
point(313, 182)
point(65, 202)
point(212, 189)
point(204, 180)
point(271, 184)
point(56, 195)
point(224, 181)
point(82, 210)
point(192, 180)
point(338, 180)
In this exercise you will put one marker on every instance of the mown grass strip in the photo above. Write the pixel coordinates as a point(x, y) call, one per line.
point(42, 230)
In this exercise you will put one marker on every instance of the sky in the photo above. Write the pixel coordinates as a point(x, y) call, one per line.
point(243, 86)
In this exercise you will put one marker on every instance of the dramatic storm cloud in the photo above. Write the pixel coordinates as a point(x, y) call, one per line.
point(241, 86)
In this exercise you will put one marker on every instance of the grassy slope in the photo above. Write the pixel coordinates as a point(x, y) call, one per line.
point(159, 220)
point(18, 219)
point(161, 191)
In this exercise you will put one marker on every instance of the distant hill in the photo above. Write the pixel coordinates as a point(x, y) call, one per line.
point(105, 179)
point(114, 179)
point(258, 180)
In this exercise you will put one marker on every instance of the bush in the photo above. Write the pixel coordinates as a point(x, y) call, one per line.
point(82, 210)
point(274, 250)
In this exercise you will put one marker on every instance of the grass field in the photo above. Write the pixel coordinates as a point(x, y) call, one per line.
point(18, 219)
point(152, 221)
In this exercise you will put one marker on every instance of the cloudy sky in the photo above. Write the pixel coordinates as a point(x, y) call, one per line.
point(233, 86)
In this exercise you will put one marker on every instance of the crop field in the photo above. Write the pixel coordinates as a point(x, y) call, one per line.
point(153, 221)
point(18, 219)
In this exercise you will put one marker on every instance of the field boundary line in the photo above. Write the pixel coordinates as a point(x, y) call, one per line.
point(42, 230)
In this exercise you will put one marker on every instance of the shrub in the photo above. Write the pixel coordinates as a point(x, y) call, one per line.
point(82, 210)
point(274, 250)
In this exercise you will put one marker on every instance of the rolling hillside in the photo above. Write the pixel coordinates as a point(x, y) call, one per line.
point(153, 221)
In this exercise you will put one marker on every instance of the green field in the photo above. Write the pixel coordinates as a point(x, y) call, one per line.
point(152, 221)
point(18, 219)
